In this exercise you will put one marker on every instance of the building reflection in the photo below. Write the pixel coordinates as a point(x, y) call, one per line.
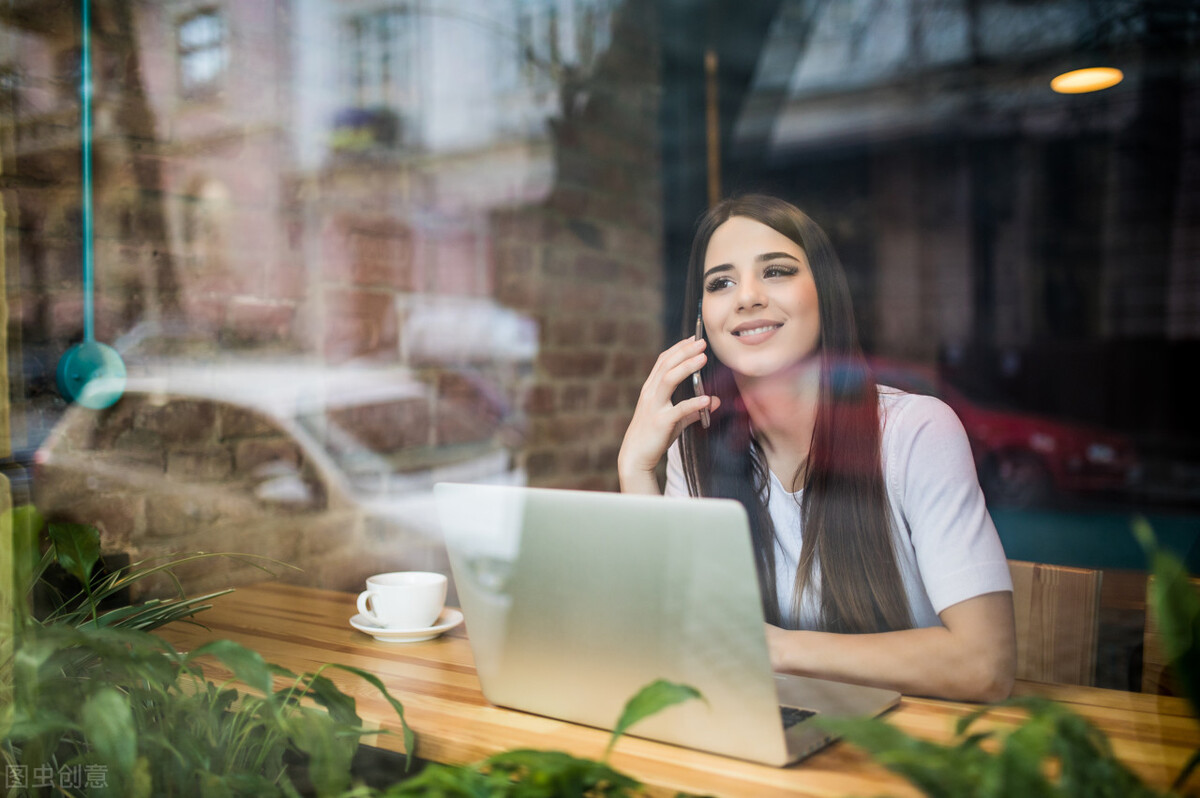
point(457, 197)
point(494, 201)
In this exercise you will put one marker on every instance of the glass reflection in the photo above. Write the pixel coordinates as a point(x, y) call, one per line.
point(482, 209)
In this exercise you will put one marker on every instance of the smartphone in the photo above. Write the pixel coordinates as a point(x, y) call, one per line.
point(697, 381)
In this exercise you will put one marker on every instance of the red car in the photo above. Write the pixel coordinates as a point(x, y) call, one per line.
point(1024, 458)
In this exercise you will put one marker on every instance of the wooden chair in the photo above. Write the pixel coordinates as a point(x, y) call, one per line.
point(1155, 676)
point(1057, 611)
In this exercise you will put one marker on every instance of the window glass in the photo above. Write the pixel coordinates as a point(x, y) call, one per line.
point(202, 52)
point(349, 248)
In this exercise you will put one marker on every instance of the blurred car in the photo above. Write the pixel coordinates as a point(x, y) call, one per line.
point(447, 329)
point(1024, 459)
point(329, 469)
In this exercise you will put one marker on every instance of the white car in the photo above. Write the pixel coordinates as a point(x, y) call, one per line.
point(326, 469)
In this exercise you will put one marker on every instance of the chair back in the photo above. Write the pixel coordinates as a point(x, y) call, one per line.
point(1057, 610)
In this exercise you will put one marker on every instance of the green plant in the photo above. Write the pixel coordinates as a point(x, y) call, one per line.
point(526, 773)
point(1015, 765)
point(96, 705)
point(75, 548)
point(992, 763)
point(1176, 606)
point(100, 706)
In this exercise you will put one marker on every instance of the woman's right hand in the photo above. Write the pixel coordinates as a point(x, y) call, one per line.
point(657, 421)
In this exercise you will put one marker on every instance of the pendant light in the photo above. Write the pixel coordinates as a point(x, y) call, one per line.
point(89, 373)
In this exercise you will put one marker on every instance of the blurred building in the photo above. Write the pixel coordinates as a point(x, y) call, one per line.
point(1075, 210)
point(465, 195)
point(1040, 247)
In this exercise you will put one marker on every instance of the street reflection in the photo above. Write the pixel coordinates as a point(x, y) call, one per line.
point(350, 247)
point(1026, 459)
point(346, 249)
point(331, 468)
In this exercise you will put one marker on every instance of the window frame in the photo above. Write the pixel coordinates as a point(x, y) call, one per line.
point(184, 51)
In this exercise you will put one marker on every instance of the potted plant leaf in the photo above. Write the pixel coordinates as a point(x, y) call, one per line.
point(1053, 751)
point(98, 705)
point(527, 773)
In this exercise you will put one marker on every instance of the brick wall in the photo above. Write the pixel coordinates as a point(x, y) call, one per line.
point(587, 265)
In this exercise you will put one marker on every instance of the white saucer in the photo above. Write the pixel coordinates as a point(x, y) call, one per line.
point(445, 622)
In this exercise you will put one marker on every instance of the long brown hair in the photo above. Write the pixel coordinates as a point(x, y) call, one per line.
point(844, 507)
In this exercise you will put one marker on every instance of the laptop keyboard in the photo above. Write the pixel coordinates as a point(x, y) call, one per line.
point(793, 715)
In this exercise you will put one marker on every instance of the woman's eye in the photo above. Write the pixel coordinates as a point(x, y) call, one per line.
point(717, 283)
point(779, 271)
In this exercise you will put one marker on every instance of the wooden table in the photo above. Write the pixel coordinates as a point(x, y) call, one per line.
point(303, 628)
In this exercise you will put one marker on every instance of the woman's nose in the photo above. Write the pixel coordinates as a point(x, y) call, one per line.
point(751, 294)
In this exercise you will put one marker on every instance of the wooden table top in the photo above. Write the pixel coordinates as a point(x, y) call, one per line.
point(304, 628)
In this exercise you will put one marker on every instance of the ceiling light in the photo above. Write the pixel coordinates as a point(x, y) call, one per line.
point(1080, 81)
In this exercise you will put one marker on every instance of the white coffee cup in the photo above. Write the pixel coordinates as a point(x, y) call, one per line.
point(403, 599)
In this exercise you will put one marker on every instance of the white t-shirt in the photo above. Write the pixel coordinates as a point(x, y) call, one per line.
point(946, 545)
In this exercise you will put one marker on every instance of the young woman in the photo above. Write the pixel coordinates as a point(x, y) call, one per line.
point(878, 561)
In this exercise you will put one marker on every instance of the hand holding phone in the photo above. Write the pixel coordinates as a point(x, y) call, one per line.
point(697, 380)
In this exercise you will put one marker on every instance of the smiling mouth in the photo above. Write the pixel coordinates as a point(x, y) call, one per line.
point(766, 328)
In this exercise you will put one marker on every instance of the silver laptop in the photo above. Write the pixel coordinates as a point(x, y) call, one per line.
point(576, 600)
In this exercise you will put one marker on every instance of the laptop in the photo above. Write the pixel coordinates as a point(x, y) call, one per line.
point(575, 600)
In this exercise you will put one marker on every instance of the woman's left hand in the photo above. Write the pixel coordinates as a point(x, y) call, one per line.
point(970, 657)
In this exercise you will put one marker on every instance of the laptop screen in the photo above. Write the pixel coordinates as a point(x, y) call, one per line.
point(575, 600)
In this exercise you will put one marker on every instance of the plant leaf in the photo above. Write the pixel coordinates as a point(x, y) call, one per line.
point(153, 613)
point(341, 707)
point(452, 781)
point(554, 773)
point(215, 786)
point(1018, 766)
point(41, 722)
point(410, 738)
point(247, 665)
point(651, 699)
point(330, 752)
point(77, 548)
point(27, 522)
point(107, 722)
point(1176, 607)
point(1052, 732)
point(938, 771)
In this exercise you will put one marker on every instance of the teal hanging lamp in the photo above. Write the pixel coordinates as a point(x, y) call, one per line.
point(90, 373)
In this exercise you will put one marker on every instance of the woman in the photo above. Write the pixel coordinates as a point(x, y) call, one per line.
point(877, 558)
